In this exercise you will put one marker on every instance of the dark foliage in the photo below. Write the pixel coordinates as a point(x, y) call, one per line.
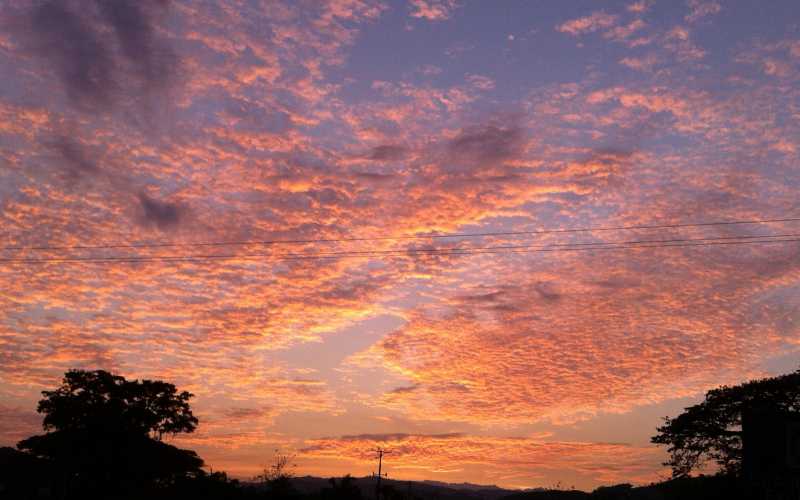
point(687, 488)
point(104, 435)
point(616, 492)
point(202, 486)
point(20, 471)
point(549, 495)
point(217, 486)
point(344, 489)
point(712, 430)
point(93, 400)
point(276, 480)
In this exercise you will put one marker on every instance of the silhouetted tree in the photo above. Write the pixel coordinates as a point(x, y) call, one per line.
point(277, 477)
point(712, 429)
point(213, 486)
point(103, 433)
point(89, 399)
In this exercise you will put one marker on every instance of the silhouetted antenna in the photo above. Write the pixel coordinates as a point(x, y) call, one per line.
point(381, 452)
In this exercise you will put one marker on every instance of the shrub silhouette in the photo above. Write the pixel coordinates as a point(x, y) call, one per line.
point(276, 479)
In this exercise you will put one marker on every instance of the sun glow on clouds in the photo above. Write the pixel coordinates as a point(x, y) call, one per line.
point(523, 462)
point(241, 121)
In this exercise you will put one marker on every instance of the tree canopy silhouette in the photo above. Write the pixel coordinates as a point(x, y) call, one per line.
point(89, 399)
point(712, 429)
point(105, 432)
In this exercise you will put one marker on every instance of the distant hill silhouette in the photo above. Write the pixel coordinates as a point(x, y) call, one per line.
point(309, 485)
point(688, 488)
point(549, 495)
point(691, 488)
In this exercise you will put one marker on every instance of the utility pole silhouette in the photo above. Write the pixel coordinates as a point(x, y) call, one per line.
point(381, 452)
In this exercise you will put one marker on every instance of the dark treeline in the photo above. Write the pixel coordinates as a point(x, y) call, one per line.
point(27, 478)
point(720, 487)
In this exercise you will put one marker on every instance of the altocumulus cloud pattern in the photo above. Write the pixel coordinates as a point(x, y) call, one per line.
point(349, 125)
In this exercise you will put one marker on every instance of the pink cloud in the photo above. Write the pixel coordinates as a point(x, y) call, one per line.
point(481, 82)
point(640, 6)
point(595, 21)
point(433, 10)
point(701, 8)
point(645, 63)
point(620, 33)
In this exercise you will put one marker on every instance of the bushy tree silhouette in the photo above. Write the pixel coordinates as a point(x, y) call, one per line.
point(98, 398)
point(712, 429)
point(104, 433)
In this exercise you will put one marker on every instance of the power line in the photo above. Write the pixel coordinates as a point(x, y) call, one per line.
point(432, 251)
point(396, 238)
point(576, 247)
point(370, 253)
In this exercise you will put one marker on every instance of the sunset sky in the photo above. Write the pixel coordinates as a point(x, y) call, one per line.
point(344, 134)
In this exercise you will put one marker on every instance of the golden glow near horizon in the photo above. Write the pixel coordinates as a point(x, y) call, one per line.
point(341, 124)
